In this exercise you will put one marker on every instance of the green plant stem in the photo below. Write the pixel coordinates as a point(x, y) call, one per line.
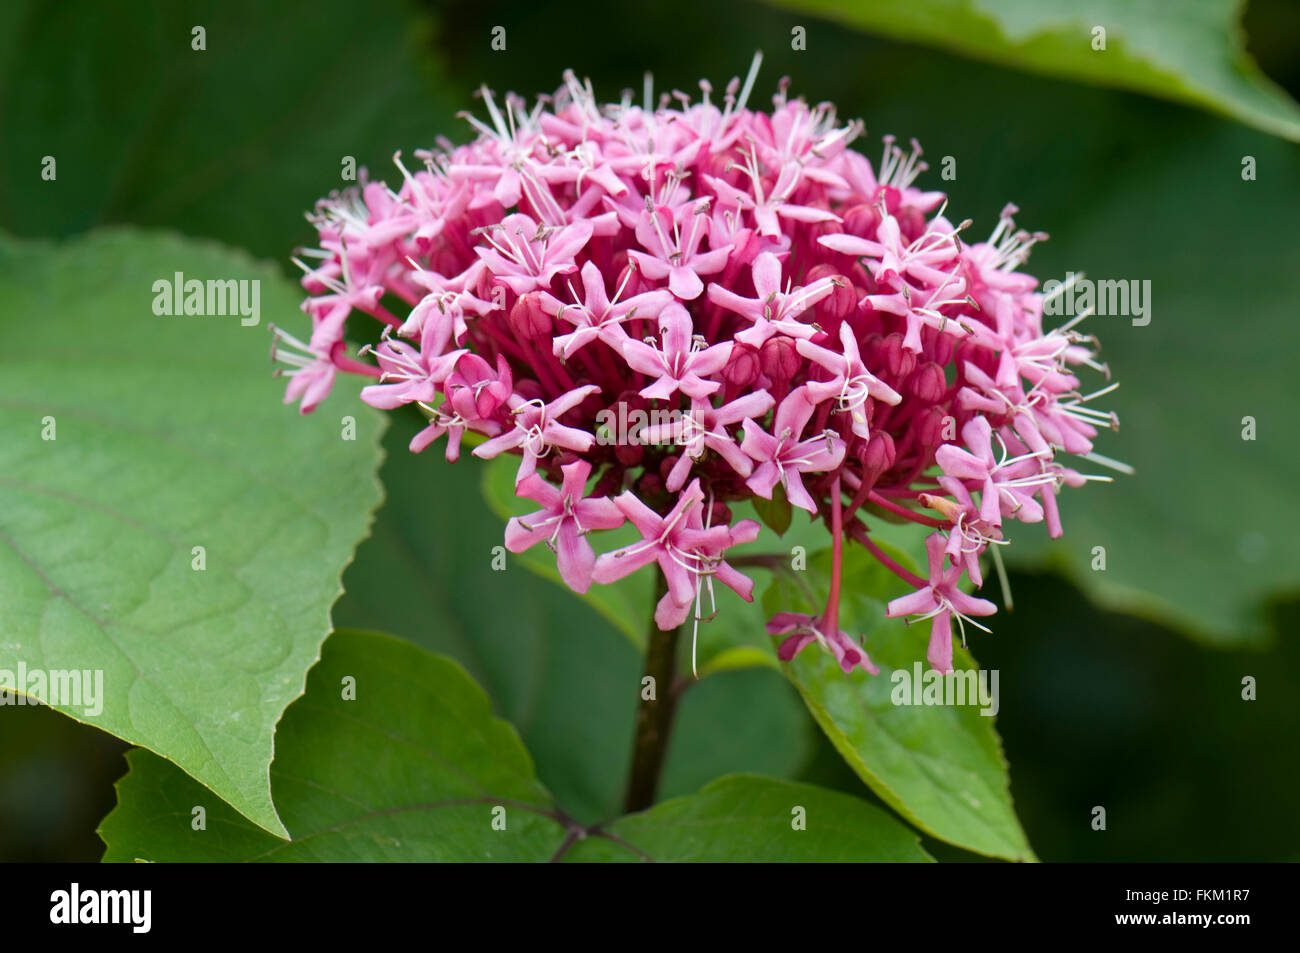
point(654, 716)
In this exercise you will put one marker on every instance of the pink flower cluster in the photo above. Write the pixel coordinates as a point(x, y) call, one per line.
point(791, 319)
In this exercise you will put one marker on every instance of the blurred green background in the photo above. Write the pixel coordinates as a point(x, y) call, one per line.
point(1139, 711)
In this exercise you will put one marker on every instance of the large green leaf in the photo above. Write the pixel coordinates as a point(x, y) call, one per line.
point(744, 818)
point(439, 770)
point(940, 766)
point(553, 666)
point(233, 141)
point(1190, 52)
point(409, 768)
point(169, 434)
point(1200, 536)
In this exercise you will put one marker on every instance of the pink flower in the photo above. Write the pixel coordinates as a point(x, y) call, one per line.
point(853, 386)
point(564, 522)
point(440, 423)
point(1001, 491)
point(704, 428)
point(772, 311)
point(313, 370)
point(672, 241)
point(681, 364)
point(783, 458)
point(408, 375)
point(940, 601)
point(769, 207)
point(476, 391)
point(805, 629)
point(536, 429)
point(824, 629)
point(597, 317)
point(525, 255)
point(312, 375)
point(682, 547)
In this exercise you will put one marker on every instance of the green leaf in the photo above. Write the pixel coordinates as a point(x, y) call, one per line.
point(169, 434)
point(777, 512)
point(745, 818)
point(1201, 536)
point(233, 141)
point(439, 770)
point(1191, 52)
point(737, 721)
point(411, 768)
point(940, 766)
point(553, 665)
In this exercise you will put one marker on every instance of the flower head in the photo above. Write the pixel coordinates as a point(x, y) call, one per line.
point(785, 313)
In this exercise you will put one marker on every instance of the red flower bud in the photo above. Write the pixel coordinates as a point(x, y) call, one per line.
point(877, 454)
point(899, 362)
point(779, 358)
point(528, 320)
point(742, 369)
point(928, 383)
point(862, 221)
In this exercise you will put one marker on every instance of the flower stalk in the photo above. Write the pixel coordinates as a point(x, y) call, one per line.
point(654, 715)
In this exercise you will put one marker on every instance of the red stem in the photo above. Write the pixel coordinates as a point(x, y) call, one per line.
point(860, 535)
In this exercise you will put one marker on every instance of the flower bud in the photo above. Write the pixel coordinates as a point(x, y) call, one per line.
point(893, 198)
point(842, 301)
point(628, 454)
point(528, 320)
point(529, 389)
point(947, 508)
point(780, 360)
point(928, 383)
point(911, 222)
point(928, 427)
point(741, 369)
point(630, 279)
point(899, 362)
point(650, 485)
point(621, 423)
point(877, 454)
point(942, 348)
point(862, 221)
